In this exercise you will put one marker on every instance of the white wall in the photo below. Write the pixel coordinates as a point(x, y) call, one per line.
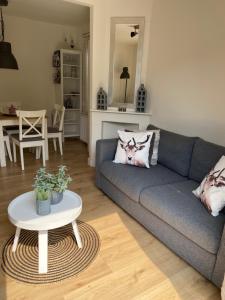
point(33, 43)
point(187, 67)
point(183, 62)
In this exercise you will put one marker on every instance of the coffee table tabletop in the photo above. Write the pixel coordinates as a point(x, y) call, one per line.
point(22, 213)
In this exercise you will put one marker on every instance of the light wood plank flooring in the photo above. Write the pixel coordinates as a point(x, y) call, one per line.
point(132, 264)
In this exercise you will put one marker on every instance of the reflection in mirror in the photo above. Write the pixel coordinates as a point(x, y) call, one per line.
point(125, 60)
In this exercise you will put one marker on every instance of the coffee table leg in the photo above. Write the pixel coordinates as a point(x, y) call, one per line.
point(43, 251)
point(16, 239)
point(77, 234)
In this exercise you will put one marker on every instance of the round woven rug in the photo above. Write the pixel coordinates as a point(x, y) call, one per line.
point(65, 259)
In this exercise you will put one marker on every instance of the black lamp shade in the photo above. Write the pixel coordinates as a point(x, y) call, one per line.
point(3, 2)
point(7, 59)
point(125, 74)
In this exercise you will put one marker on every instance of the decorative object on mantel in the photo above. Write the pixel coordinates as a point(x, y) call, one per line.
point(101, 99)
point(125, 75)
point(141, 99)
point(7, 59)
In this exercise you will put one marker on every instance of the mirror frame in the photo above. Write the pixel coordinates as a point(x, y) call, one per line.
point(114, 22)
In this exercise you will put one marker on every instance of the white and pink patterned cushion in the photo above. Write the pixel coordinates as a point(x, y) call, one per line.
point(133, 148)
point(212, 189)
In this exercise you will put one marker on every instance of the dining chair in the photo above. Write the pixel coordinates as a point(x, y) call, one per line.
point(32, 136)
point(7, 143)
point(56, 131)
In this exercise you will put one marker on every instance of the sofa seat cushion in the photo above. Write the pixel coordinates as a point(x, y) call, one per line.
point(132, 180)
point(177, 206)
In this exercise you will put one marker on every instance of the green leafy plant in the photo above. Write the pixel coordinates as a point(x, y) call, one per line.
point(60, 180)
point(43, 184)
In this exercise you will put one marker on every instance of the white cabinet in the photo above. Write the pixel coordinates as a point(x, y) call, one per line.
point(68, 80)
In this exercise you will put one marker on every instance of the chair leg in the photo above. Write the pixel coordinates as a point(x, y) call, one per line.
point(36, 152)
point(39, 152)
point(54, 143)
point(22, 158)
point(9, 149)
point(14, 152)
point(60, 145)
point(43, 154)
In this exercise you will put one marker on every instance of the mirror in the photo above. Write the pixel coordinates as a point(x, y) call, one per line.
point(125, 60)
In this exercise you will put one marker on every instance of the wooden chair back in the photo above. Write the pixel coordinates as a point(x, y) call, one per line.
point(32, 121)
point(58, 118)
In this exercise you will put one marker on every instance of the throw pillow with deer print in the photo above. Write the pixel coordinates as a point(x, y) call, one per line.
point(133, 148)
point(212, 189)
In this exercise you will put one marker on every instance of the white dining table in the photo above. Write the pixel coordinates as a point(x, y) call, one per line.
point(6, 120)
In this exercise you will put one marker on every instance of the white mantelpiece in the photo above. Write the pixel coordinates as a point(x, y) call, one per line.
point(101, 118)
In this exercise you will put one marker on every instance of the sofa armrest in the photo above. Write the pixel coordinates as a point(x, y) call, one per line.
point(105, 150)
point(219, 268)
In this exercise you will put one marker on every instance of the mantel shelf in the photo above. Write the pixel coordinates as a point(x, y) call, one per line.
point(108, 111)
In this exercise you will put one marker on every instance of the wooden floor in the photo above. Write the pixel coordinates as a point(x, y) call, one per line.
point(132, 264)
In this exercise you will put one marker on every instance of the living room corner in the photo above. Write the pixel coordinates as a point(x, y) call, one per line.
point(112, 149)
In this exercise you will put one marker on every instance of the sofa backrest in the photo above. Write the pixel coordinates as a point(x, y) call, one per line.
point(175, 151)
point(205, 156)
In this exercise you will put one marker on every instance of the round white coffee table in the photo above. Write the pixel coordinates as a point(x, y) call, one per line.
point(22, 213)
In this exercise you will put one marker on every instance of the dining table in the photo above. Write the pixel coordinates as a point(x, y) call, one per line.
point(13, 120)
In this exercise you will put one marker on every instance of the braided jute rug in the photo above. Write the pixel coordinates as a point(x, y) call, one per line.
point(65, 259)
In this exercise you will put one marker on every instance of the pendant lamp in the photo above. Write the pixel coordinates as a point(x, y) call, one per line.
point(7, 59)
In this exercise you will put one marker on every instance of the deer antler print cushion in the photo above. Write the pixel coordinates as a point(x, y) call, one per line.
point(212, 189)
point(133, 148)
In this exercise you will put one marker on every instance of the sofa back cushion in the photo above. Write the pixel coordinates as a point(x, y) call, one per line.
point(205, 156)
point(175, 151)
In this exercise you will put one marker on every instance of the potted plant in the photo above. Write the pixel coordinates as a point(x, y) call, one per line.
point(43, 188)
point(59, 182)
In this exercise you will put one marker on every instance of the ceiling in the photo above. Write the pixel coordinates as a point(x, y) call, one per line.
point(51, 11)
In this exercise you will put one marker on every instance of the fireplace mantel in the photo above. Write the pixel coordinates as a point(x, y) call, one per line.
point(111, 111)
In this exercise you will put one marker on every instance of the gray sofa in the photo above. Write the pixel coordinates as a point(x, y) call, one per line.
point(161, 198)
